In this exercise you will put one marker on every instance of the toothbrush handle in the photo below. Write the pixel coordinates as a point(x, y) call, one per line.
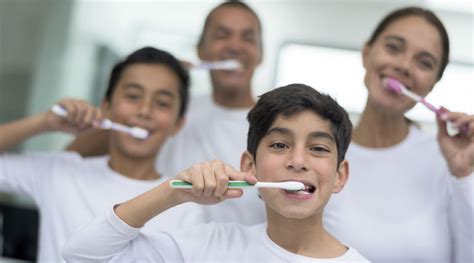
point(59, 110)
point(179, 184)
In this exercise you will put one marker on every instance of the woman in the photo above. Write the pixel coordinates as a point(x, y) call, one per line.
point(409, 198)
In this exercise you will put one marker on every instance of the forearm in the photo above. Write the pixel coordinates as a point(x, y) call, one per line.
point(16, 132)
point(139, 210)
point(91, 143)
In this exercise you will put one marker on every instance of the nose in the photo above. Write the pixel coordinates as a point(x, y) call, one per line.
point(402, 66)
point(145, 108)
point(234, 46)
point(297, 160)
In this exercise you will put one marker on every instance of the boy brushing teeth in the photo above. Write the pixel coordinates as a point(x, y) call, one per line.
point(295, 134)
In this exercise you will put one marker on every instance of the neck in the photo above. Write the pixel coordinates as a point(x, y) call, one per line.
point(234, 98)
point(377, 129)
point(306, 237)
point(140, 169)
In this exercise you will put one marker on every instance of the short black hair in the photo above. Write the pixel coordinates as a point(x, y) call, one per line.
point(293, 99)
point(150, 55)
point(234, 4)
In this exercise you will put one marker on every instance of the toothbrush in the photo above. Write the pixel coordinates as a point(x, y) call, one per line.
point(398, 88)
point(230, 64)
point(290, 185)
point(108, 124)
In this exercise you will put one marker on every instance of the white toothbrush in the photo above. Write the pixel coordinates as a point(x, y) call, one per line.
point(108, 124)
point(230, 64)
point(290, 185)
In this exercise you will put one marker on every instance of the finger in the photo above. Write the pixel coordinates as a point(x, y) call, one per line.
point(233, 193)
point(82, 109)
point(89, 117)
point(222, 178)
point(250, 178)
point(234, 174)
point(461, 122)
point(197, 179)
point(209, 179)
point(441, 119)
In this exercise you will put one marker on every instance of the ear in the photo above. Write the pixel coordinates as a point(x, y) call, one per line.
point(247, 163)
point(342, 174)
point(365, 54)
point(179, 125)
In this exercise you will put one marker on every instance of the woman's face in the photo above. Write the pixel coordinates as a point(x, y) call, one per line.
point(408, 50)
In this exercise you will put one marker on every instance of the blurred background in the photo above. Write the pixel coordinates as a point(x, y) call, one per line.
point(51, 49)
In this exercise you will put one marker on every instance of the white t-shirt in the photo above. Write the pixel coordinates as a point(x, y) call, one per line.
point(108, 238)
point(213, 132)
point(70, 191)
point(402, 205)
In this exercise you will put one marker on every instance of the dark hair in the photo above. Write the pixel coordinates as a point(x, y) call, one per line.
point(293, 99)
point(233, 4)
point(150, 55)
point(430, 17)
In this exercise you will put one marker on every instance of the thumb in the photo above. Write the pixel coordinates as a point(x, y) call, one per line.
point(233, 193)
point(441, 119)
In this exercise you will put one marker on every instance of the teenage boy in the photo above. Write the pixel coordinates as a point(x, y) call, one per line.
point(149, 89)
point(295, 134)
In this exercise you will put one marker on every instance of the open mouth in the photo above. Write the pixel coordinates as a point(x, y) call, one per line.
point(382, 77)
point(308, 189)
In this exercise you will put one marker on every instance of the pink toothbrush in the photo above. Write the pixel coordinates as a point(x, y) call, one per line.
point(398, 88)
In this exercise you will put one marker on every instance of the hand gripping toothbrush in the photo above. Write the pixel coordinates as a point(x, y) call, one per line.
point(108, 124)
point(398, 88)
point(290, 185)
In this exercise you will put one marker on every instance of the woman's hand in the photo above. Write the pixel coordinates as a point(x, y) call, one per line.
point(459, 149)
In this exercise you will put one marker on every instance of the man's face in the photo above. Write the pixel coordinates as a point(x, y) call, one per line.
point(232, 33)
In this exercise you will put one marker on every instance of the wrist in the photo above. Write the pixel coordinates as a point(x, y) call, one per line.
point(176, 196)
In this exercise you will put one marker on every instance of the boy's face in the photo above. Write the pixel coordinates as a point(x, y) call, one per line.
point(298, 148)
point(233, 33)
point(146, 96)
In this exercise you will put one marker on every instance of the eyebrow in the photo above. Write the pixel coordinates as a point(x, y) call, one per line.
point(133, 85)
point(313, 135)
point(162, 92)
point(402, 40)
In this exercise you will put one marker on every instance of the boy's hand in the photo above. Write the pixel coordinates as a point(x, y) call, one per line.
point(81, 116)
point(210, 180)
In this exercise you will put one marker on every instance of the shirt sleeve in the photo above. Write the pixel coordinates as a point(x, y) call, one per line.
point(461, 217)
point(109, 239)
point(21, 173)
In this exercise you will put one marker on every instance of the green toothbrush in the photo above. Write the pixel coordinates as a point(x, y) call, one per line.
point(290, 185)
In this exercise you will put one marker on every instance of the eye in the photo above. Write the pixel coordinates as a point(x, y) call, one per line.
point(132, 96)
point(163, 104)
point(278, 146)
point(425, 64)
point(392, 48)
point(320, 149)
point(249, 37)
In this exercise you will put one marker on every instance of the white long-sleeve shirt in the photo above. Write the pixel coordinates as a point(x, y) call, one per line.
point(109, 239)
point(70, 191)
point(402, 205)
